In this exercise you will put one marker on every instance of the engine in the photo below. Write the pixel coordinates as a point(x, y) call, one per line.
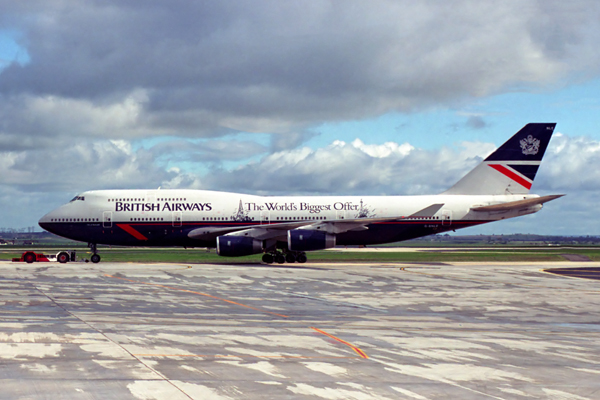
point(307, 239)
point(236, 246)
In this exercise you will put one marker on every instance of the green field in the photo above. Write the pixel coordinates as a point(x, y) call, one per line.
point(484, 254)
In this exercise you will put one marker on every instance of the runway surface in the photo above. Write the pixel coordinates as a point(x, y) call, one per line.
point(379, 331)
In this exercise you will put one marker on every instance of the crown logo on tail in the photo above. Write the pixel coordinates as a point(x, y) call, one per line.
point(530, 145)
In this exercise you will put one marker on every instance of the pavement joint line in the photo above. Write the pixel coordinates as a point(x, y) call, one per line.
point(361, 353)
point(158, 374)
point(198, 293)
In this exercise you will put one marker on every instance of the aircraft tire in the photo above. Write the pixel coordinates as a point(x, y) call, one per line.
point(290, 258)
point(63, 257)
point(267, 258)
point(29, 257)
point(301, 258)
point(95, 258)
point(280, 258)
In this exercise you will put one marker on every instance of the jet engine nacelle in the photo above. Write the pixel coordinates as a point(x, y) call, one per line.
point(236, 246)
point(307, 240)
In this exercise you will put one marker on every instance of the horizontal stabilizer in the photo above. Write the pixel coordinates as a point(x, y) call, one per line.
point(519, 204)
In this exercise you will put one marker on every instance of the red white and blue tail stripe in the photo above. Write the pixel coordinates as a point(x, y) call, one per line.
point(512, 168)
point(519, 172)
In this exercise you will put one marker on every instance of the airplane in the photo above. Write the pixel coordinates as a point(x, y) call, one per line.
point(284, 228)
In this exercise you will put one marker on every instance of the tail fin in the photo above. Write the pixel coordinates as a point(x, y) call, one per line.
point(512, 168)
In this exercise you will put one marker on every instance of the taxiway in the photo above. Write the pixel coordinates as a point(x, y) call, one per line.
point(323, 331)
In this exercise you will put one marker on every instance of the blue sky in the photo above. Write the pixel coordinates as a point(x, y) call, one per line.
point(576, 109)
point(10, 50)
point(249, 96)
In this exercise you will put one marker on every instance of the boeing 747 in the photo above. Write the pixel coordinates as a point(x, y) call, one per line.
point(284, 228)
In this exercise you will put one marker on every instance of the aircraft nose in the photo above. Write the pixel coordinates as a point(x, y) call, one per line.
point(47, 222)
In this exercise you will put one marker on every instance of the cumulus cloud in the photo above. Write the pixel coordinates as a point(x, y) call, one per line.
point(106, 163)
point(353, 168)
point(569, 165)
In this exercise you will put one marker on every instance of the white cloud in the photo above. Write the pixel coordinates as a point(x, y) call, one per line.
point(80, 163)
point(389, 168)
point(33, 121)
point(570, 165)
point(384, 150)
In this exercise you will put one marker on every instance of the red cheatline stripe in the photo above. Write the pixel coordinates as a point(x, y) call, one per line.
point(507, 172)
point(129, 229)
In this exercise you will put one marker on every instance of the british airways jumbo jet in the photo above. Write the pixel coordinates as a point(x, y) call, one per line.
point(284, 228)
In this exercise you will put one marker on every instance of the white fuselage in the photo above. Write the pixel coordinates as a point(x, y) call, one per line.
point(198, 205)
point(154, 217)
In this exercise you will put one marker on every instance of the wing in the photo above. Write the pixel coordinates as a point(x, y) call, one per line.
point(278, 230)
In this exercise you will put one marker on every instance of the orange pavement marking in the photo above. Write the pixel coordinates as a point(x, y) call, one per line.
point(356, 349)
point(240, 356)
point(199, 293)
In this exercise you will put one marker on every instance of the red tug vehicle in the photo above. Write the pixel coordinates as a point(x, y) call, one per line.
point(61, 257)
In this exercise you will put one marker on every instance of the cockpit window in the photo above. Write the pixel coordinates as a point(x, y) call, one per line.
point(77, 198)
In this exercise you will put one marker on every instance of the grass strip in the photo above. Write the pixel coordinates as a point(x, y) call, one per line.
point(178, 255)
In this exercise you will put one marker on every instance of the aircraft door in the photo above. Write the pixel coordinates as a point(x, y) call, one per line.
point(340, 214)
point(107, 219)
point(265, 217)
point(177, 219)
point(150, 197)
point(446, 217)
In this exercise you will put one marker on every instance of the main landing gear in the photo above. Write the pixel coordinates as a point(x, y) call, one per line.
point(281, 258)
point(95, 258)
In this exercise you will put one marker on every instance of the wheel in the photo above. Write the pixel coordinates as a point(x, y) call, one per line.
point(95, 258)
point(267, 258)
point(280, 258)
point(29, 257)
point(63, 257)
point(302, 258)
point(290, 258)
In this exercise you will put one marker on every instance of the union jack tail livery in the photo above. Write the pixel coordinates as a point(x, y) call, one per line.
point(512, 168)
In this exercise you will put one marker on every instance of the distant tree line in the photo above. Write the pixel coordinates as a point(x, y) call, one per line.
point(29, 229)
